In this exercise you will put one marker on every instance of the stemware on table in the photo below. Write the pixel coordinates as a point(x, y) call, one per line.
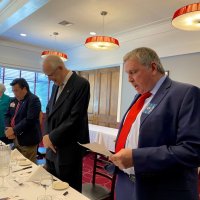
point(5, 153)
point(46, 181)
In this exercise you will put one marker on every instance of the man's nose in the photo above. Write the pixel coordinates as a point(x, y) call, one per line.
point(130, 78)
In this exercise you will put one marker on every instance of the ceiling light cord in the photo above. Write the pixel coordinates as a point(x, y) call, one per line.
point(104, 13)
point(46, 53)
point(55, 36)
point(102, 42)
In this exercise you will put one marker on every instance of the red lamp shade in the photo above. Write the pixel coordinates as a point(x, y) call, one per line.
point(63, 56)
point(187, 17)
point(101, 43)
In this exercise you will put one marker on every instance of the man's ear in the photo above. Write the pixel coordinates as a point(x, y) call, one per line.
point(154, 67)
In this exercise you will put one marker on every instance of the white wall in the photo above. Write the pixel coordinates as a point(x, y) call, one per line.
point(20, 56)
point(184, 68)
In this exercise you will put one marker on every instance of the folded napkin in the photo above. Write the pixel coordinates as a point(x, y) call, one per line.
point(37, 173)
point(15, 154)
point(2, 143)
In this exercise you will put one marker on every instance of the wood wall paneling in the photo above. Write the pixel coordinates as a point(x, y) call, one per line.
point(104, 86)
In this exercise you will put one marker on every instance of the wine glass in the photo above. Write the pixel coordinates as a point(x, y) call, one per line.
point(45, 181)
point(4, 171)
point(5, 153)
point(13, 164)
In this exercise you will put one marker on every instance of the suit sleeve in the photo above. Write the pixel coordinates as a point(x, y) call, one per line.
point(70, 125)
point(186, 151)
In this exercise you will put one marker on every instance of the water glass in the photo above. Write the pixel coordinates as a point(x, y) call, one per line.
point(5, 153)
point(46, 180)
point(4, 171)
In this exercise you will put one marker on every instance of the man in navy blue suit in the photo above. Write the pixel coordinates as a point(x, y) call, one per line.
point(159, 157)
point(22, 119)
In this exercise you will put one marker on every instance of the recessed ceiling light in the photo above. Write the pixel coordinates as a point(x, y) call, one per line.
point(92, 33)
point(23, 34)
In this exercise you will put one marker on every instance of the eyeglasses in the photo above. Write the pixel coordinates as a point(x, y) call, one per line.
point(52, 73)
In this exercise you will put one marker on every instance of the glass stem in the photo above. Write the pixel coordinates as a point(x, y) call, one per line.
point(2, 182)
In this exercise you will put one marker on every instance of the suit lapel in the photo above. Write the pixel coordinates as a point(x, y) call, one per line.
point(20, 108)
point(65, 93)
point(163, 90)
point(53, 97)
point(22, 103)
point(16, 102)
point(63, 96)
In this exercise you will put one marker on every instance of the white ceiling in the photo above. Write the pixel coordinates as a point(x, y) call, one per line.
point(40, 18)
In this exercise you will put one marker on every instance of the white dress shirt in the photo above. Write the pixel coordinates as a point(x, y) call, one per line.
point(61, 87)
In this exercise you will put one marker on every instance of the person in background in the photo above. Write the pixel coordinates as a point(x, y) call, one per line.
point(4, 104)
point(22, 119)
point(158, 144)
point(66, 122)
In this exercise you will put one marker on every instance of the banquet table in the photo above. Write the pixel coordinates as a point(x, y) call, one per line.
point(27, 190)
point(103, 135)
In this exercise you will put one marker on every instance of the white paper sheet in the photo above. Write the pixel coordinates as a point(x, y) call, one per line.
point(98, 148)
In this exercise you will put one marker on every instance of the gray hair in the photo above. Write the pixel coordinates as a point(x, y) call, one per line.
point(2, 88)
point(54, 61)
point(145, 56)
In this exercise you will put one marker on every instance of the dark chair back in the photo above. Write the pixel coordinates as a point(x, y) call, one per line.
point(95, 191)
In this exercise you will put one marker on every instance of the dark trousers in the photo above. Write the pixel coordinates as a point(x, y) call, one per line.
point(71, 173)
point(125, 188)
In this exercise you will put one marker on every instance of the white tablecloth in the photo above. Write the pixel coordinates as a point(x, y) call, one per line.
point(103, 135)
point(30, 190)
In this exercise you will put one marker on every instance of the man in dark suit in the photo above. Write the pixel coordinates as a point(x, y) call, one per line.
point(22, 119)
point(158, 157)
point(66, 122)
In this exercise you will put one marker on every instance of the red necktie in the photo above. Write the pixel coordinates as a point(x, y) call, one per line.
point(12, 123)
point(130, 118)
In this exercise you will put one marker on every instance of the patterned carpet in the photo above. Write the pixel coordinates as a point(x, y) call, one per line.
point(88, 169)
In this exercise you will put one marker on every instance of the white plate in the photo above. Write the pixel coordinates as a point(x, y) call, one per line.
point(24, 163)
point(60, 185)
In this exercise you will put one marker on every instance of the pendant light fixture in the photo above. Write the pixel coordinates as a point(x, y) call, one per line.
point(46, 53)
point(187, 18)
point(102, 42)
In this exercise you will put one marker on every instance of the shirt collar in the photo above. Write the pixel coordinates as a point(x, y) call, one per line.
point(67, 77)
point(158, 84)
